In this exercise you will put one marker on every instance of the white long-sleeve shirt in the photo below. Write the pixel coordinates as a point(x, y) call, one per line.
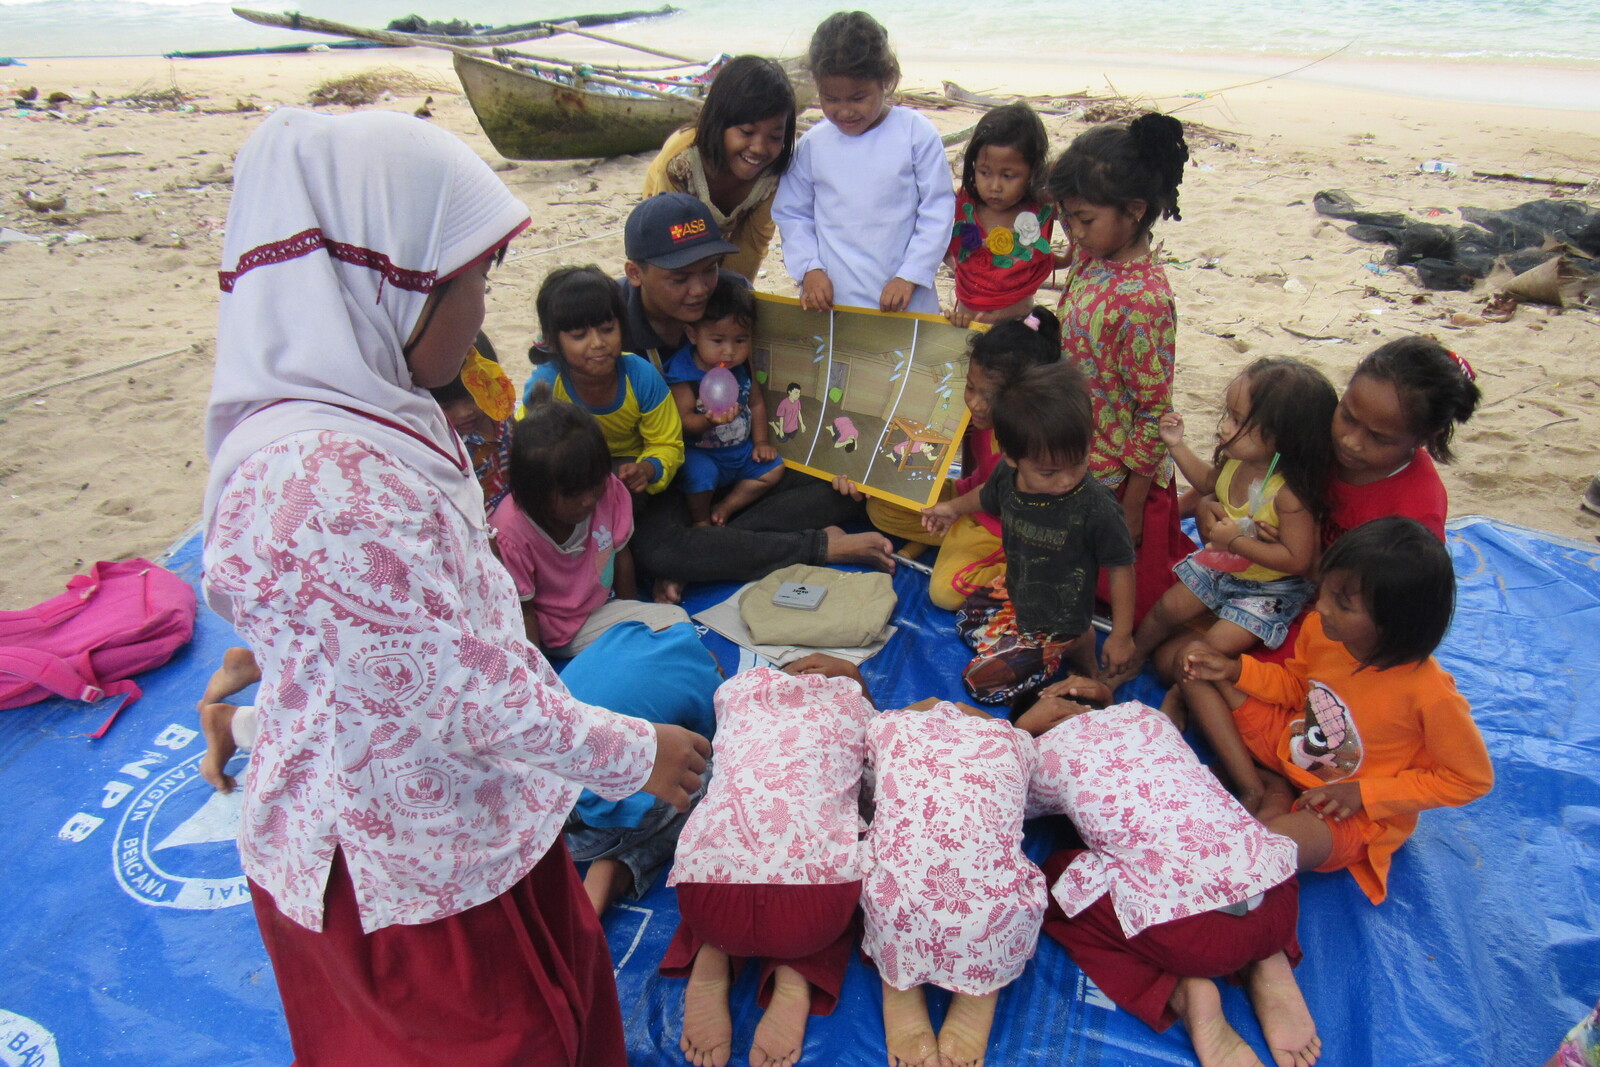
point(404, 718)
point(868, 209)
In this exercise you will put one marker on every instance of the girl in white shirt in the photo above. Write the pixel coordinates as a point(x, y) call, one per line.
point(865, 207)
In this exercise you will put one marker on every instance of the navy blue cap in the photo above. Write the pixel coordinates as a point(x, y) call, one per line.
point(672, 230)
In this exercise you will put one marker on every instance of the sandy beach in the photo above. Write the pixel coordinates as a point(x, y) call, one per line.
point(111, 315)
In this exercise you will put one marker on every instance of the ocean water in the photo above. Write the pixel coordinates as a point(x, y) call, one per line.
point(1562, 33)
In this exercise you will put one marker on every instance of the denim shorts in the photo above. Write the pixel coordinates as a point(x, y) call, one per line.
point(1264, 608)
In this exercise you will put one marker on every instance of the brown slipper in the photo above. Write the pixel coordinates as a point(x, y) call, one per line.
point(1591, 497)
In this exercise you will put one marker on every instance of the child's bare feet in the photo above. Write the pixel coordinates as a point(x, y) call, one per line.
point(964, 1037)
point(606, 882)
point(668, 591)
point(781, 1034)
point(707, 1028)
point(906, 1029)
point(238, 670)
point(216, 722)
point(873, 549)
point(1280, 1007)
point(1216, 1044)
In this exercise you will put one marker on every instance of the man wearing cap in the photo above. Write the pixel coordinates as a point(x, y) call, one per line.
point(675, 255)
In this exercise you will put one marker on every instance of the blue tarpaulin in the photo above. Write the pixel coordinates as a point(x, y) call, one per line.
point(127, 936)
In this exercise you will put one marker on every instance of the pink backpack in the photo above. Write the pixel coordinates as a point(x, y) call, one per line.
point(116, 621)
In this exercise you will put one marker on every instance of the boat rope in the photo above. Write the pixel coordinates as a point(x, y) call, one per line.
point(85, 376)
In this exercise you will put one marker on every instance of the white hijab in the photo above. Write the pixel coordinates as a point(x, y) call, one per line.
point(339, 229)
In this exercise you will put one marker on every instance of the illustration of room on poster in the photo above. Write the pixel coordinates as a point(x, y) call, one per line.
point(872, 396)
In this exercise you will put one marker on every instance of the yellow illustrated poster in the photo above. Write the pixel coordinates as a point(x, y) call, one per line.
point(875, 396)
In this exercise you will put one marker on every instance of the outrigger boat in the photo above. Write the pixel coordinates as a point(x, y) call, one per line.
point(540, 107)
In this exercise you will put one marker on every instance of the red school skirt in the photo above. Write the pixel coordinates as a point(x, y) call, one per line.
point(522, 979)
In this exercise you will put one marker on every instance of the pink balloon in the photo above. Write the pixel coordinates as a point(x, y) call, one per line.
point(719, 392)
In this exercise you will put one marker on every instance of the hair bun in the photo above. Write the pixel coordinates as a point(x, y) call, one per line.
point(1159, 141)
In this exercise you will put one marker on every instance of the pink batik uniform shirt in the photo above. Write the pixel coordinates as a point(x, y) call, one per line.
point(405, 719)
point(781, 808)
point(950, 898)
point(1164, 838)
point(565, 582)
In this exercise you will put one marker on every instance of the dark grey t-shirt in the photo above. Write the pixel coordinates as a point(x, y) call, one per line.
point(1055, 547)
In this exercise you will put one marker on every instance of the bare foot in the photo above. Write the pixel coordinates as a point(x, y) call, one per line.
point(873, 549)
point(964, 1037)
point(1286, 1022)
point(906, 1029)
point(238, 670)
point(1174, 707)
point(668, 591)
point(1217, 1044)
point(606, 882)
point(781, 1033)
point(707, 1028)
point(216, 722)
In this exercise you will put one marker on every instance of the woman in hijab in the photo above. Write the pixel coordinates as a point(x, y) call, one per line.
point(416, 757)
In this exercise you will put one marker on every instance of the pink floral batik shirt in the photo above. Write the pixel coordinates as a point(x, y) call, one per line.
point(1164, 838)
point(950, 898)
point(405, 719)
point(781, 808)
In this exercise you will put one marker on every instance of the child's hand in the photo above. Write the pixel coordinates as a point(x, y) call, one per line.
point(1077, 687)
point(896, 295)
point(722, 418)
point(825, 665)
point(764, 453)
point(636, 476)
point(816, 291)
point(1266, 533)
point(1048, 712)
point(1203, 664)
point(960, 315)
point(1331, 803)
point(845, 487)
point(937, 519)
point(1223, 534)
point(1208, 513)
point(1172, 429)
point(1117, 655)
point(680, 761)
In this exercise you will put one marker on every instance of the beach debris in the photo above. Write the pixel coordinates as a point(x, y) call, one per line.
point(423, 112)
point(171, 98)
point(1500, 308)
point(1374, 159)
point(56, 99)
point(42, 204)
point(10, 236)
point(1437, 166)
point(28, 95)
point(1557, 282)
point(1531, 179)
point(1294, 285)
point(368, 86)
point(1307, 335)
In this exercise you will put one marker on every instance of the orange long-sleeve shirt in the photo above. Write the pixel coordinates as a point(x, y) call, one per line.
point(1404, 734)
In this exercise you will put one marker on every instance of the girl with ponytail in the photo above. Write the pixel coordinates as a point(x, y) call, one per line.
point(1118, 324)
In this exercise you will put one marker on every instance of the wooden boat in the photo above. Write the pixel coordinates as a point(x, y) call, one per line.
point(533, 114)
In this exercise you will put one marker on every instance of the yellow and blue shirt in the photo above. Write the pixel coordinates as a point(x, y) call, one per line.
point(641, 423)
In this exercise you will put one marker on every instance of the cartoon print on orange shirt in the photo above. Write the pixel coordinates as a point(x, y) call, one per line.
point(1325, 742)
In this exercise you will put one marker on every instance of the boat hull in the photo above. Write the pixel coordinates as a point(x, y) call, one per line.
point(529, 117)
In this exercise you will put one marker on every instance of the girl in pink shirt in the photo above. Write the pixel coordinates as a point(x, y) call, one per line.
point(563, 532)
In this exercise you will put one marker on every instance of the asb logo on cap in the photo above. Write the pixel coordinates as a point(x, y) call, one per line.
point(685, 231)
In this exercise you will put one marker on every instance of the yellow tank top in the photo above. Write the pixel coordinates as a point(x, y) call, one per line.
point(1267, 513)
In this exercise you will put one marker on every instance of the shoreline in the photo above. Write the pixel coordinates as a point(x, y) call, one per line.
point(113, 466)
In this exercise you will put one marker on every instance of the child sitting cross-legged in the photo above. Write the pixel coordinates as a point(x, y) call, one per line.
point(563, 532)
point(1176, 884)
point(1341, 746)
point(728, 447)
point(1059, 529)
